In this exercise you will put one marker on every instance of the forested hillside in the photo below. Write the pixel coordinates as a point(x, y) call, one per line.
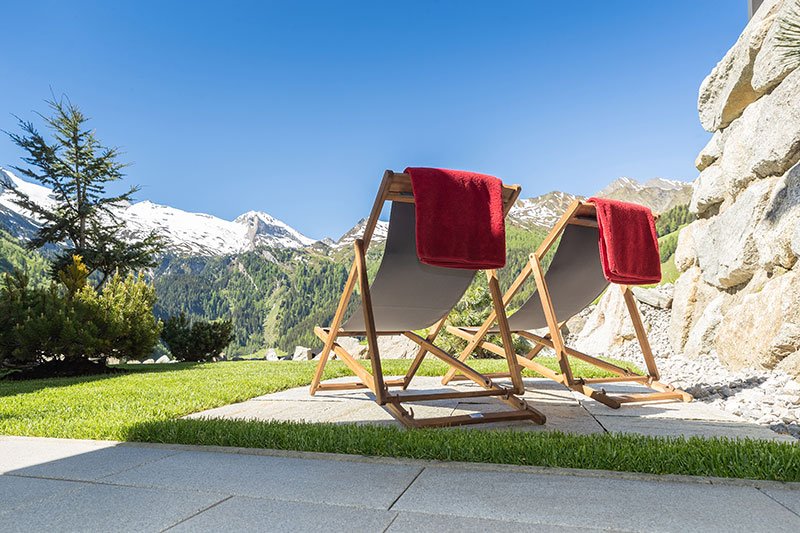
point(14, 256)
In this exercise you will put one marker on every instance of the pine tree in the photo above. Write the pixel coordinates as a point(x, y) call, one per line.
point(77, 167)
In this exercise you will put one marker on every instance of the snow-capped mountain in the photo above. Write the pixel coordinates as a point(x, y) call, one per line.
point(184, 232)
point(658, 194)
point(379, 235)
point(540, 211)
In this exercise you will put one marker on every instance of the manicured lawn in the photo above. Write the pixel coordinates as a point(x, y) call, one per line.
point(144, 405)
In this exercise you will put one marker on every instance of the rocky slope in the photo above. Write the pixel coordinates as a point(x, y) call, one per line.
point(659, 194)
point(738, 297)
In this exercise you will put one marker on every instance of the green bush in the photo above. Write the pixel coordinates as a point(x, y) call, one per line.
point(198, 341)
point(72, 320)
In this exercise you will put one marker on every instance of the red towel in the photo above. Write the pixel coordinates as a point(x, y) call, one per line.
point(460, 219)
point(628, 242)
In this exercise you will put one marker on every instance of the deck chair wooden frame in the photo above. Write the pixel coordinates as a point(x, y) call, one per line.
point(396, 187)
point(582, 214)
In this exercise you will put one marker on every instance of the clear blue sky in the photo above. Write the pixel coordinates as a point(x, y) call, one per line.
point(296, 108)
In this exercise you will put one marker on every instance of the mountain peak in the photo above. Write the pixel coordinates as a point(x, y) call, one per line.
point(659, 194)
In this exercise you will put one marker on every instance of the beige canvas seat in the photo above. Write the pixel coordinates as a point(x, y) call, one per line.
point(407, 296)
point(572, 282)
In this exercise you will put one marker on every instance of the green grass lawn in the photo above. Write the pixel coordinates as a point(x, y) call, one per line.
point(145, 404)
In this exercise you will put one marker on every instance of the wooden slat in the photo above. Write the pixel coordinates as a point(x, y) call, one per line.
point(468, 371)
point(605, 365)
point(641, 334)
point(477, 418)
point(505, 332)
point(422, 397)
point(422, 352)
point(353, 385)
point(369, 321)
point(550, 315)
point(586, 222)
point(401, 185)
point(338, 317)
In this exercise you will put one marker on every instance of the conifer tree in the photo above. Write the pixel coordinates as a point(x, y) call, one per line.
point(83, 218)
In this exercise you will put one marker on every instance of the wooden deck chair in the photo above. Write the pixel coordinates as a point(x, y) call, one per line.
point(407, 296)
point(573, 281)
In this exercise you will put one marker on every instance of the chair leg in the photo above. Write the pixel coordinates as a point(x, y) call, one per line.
point(338, 316)
point(412, 370)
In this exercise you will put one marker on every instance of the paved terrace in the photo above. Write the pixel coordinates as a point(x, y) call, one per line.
point(565, 410)
point(71, 485)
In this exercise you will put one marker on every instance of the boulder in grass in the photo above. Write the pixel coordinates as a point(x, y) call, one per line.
point(271, 355)
point(164, 359)
point(301, 353)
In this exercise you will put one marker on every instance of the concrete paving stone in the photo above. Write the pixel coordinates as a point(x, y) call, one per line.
point(249, 514)
point(341, 483)
point(91, 465)
point(416, 522)
point(600, 503)
point(16, 491)
point(96, 507)
point(689, 428)
point(21, 452)
point(788, 498)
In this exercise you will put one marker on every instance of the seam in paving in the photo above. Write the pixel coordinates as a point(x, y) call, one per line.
point(390, 522)
point(605, 430)
point(759, 489)
point(146, 462)
point(405, 489)
point(201, 511)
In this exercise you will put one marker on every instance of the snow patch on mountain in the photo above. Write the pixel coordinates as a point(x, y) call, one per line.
point(183, 232)
point(540, 211)
point(378, 235)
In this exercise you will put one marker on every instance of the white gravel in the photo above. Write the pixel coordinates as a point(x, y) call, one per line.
point(769, 398)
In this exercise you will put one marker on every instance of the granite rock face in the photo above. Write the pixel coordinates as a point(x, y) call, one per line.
point(738, 297)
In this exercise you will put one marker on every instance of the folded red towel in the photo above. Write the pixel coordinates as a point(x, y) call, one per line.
point(460, 219)
point(628, 242)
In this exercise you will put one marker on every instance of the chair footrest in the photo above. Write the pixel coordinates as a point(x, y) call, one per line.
point(351, 385)
point(480, 418)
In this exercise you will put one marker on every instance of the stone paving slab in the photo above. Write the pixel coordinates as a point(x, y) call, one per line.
point(274, 477)
point(566, 411)
point(625, 504)
point(72, 461)
point(249, 514)
point(195, 488)
point(96, 507)
point(17, 491)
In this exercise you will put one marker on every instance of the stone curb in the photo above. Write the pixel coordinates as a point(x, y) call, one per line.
point(454, 465)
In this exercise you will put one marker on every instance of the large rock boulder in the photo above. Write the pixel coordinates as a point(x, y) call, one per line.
point(775, 232)
point(700, 339)
point(726, 248)
point(765, 140)
point(686, 250)
point(301, 353)
point(764, 327)
point(690, 299)
point(770, 66)
point(727, 90)
point(711, 152)
point(608, 326)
